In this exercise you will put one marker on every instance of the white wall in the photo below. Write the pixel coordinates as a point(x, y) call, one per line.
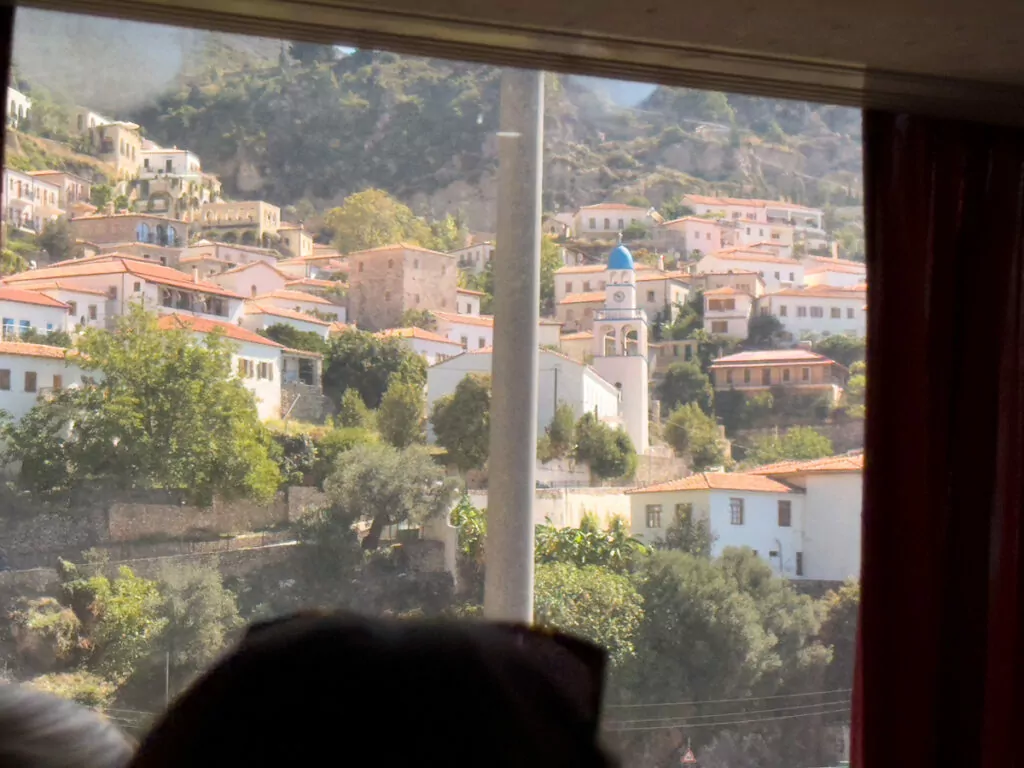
point(788, 275)
point(566, 507)
point(760, 530)
point(824, 325)
point(474, 334)
point(182, 162)
point(266, 391)
point(261, 277)
point(474, 258)
point(617, 219)
point(467, 303)
point(832, 526)
point(81, 303)
point(835, 279)
point(431, 351)
point(17, 401)
point(258, 321)
point(41, 318)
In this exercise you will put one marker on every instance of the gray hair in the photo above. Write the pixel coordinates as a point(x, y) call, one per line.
point(38, 730)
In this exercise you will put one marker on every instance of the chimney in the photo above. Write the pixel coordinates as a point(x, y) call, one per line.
point(195, 274)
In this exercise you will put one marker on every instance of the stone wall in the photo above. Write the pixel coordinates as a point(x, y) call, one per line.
point(565, 507)
point(230, 564)
point(312, 406)
point(135, 521)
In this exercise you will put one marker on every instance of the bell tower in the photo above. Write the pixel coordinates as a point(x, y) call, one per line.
point(620, 345)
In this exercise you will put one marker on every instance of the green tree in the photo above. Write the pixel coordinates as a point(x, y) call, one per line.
point(291, 337)
point(856, 389)
point(472, 525)
point(675, 208)
point(839, 632)
point(11, 263)
point(446, 234)
point(419, 318)
point(383, 486)
point(365, 362)
point(139, 425)
point(352, 412)
point(796, 443)
point(56, 240)
point(462, 422)
point(845, 350)
point(590, 602)
point(687, 534)
point(614, 548)
point(334, 444)
point(608, 451)
point(101, 195)
point(763, 330)
point(559, 437)
point(201, 617)
point(636, 230)
point(400, 416)
point(693, 433)
point(686, 383)
point(49, 338)
point(373, 218)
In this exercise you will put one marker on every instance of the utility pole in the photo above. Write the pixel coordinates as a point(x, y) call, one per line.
point(508, 584)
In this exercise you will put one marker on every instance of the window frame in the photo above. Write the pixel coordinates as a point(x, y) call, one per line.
point(736, 511)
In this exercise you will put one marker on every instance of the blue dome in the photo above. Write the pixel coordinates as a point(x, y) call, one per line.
point(620, 258)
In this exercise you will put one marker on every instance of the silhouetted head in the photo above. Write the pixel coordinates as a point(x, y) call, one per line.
point(337, 689)
point(38, 730)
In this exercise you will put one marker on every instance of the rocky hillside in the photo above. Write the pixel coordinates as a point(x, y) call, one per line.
point(309, 128)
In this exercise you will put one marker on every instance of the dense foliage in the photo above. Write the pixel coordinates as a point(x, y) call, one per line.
point(694, 434)
point(795, 443)
point(462, 422)
point(608, 451)
point(685, 383)
point(368, 363)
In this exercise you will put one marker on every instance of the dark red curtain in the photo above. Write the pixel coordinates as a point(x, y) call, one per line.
point(941, 651)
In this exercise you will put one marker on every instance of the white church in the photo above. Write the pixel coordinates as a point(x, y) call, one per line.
point(614, 387)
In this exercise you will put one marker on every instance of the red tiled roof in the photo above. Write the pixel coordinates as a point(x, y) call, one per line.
point(593, 297)
point(619, 206)
point(468, 292)
point(417, 333)
point(725, 291)
point(243, 267)
point(312, 282)
point(484, 321)
point(285, 295)
point(69, 287)
point(397, 247)
point(203, 325)
point(825, 292)
point(719, 481)
point(845, 463)
point(34, 350)
point(745, 254)
point(773, 357)
point(22, 296)
point(116, 265)
point(577, 336)
point(255, 308)
point(339, 327)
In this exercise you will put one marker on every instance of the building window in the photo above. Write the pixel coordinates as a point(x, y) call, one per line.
point(728, 377)
point(799, 563)
point(736, 511)
point(586, 286)
point(593, 223)
point(801, 311)
point(360, 266)
point(785, 374)
point(675, 351)
point(792, 277)
point(654, 515)
point(836, 313)
point(805, 374)
point(783, 311)
point(464, 341)
point(785, 514)
point(568, 288)
point(569, 315)
point(30, 381)
point(766, 376)
point(72, 307)
point(746, 375)
point(112, 292)
point(719, 326)
point(817, 312)
point(689, 353)
point(24, 327)
point(92, 311)
point(650, 296)
point(849, 313)
point(684, 512)
point(5, 379)
point(58, 381)
point(776, 275)
point(481, 342)
point(607, 223)
point(137, 287)
point(622, 224)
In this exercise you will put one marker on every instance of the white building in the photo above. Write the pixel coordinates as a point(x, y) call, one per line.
point(257, 316)
point(693, 234)
point(30, 370)
point(661, 293)
point(18, 107)
point(27, 202)
point(468, 331)
point(157, 162)
point(802, 517)
point(23, 310)
point(296, 242)
point(776, 271)
point(467, 302)
point(229, 253)
point(560, 380)
point(125, 281)
point(585, 278)
point(73, 190)
point(255, 360)
point(474, 258)
point(620, 345)
point(87, 307)
point(741, 510)
point(727, 312)
point(433, 347)
point(253, 279)
point(820, 310)
point(300, 301)
point(838, 273)
point(606, 220)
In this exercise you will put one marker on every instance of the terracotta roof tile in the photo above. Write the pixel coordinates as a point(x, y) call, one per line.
point(203, 325)
point(22, 296)
point(773, 356)
point(851, 462)
point(286, 295)
point(397, 247)
point(619, 206)
point(468, 292)
point(484, 321)
point(593, 297)
point(854, 292)
point(255, 308)
point(34, 350)
point(578, 336)
point(725, 291)
point(417, 333)
point(720, 481)
point(745, 254)
point(59, 285)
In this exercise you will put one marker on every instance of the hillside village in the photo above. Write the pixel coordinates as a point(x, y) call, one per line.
point(701, 361)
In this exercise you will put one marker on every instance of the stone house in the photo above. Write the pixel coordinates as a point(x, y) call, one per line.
point(387, 281)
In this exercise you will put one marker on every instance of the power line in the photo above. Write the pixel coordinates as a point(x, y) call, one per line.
point(725, 701)
point(729, 722)
point(742, 712)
